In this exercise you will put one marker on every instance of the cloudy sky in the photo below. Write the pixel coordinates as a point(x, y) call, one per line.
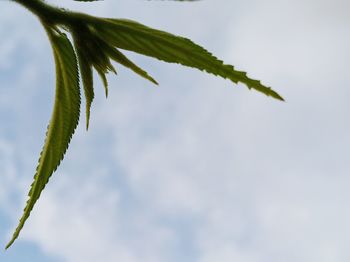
point(198, 169)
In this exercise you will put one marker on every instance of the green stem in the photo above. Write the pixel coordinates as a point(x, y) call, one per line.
point(48, 13)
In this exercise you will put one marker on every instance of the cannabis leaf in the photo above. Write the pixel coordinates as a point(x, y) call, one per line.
point(133, 36)
point(97, 42)
point(63, 121)
point(94, 52)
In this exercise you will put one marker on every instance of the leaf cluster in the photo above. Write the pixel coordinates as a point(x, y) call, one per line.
point(96, 43)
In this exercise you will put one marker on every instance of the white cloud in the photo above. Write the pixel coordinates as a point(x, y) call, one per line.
point(9, 178)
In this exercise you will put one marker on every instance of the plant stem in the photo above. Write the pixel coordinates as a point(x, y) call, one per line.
point(48, 13)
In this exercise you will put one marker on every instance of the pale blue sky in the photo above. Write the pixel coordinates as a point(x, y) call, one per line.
point(197, 169)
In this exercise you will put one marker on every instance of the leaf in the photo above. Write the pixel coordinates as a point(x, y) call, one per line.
point(87, 79)
point(120, 58)
point(133, 36)
point(63, 121)
point(103, 77)
point(91, 51)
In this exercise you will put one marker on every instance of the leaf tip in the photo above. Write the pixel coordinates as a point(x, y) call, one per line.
point(154, 81)
point(277, 96)
point(8, 246)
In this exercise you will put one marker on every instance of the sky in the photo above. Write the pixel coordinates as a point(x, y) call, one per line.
point(197, 169)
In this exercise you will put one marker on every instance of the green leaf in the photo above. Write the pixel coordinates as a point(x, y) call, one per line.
point(133, 36)
point(87, 79)
point(63, 121)
point(120, 58)
point(91, 52)
point(103, 77)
